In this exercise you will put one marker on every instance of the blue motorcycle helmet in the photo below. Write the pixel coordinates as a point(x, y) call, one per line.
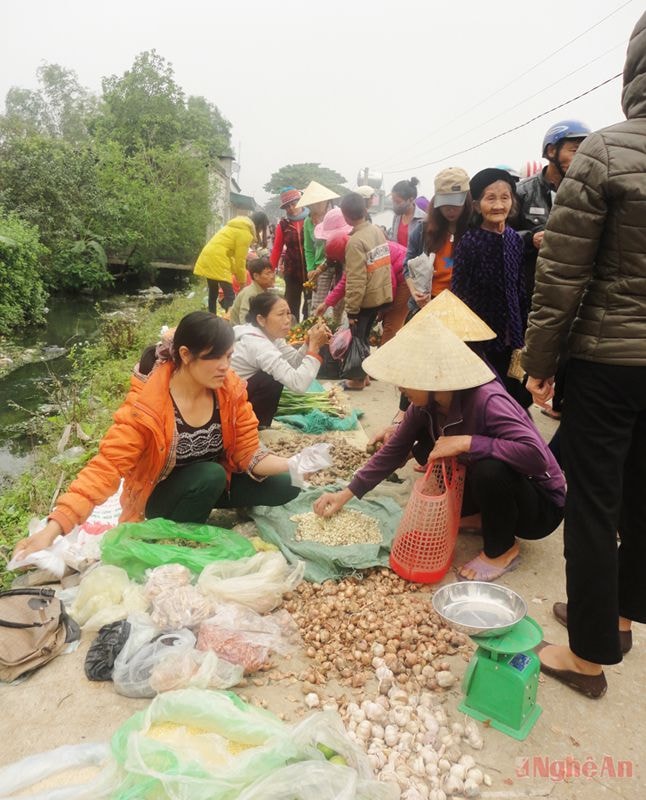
point(559, 133)
point(565, 129)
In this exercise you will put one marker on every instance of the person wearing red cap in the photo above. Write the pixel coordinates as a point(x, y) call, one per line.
point(288, 243)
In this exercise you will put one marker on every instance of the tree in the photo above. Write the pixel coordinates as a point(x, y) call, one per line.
point(22, 299)
point(60, 108)
point(206, 128)
point(52, 184)
point(145, 106)
point(299, 175)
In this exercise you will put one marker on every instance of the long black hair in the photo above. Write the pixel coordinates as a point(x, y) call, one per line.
point(204, 334)
point(436, 227)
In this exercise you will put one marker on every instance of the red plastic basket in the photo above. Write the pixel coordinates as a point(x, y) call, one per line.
point(423, 547)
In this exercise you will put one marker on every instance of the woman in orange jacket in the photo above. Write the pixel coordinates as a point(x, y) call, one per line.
point(184, 441)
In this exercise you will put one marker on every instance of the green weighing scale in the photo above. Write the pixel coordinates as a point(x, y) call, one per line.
point(501, 681)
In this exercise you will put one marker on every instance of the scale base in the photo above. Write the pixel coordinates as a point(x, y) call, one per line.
point(516, 733)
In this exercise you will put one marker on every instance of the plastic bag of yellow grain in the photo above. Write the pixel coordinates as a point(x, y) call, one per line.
point(209, 745)
point(70, 772)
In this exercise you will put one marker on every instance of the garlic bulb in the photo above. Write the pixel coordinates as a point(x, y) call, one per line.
point(453, 785)
point(445, 679)
point(475, 774)
point(391, 735)
point(471, 788)
point(312, 700)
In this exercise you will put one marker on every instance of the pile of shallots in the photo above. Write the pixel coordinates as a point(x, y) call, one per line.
point(346, 624)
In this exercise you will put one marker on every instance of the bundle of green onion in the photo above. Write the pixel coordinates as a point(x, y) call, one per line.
point(294, 403)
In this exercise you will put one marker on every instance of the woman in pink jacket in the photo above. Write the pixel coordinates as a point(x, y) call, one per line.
point(394, 317)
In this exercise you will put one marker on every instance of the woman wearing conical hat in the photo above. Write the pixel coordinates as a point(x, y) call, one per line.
point(318, 199)
point(459, 409)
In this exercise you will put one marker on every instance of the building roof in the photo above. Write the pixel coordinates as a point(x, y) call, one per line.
point(242, 201)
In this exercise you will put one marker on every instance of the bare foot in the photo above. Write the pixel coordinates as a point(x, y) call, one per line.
point(625, 624)
point(500, 561)
point(561, 657)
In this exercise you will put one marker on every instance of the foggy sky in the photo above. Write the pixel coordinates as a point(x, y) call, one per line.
point(388, 85)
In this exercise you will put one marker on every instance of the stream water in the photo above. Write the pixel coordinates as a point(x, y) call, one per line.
point(27, 389)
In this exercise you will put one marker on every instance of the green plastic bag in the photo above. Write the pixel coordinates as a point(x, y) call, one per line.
point(133, 546)
point(324, 561)
point(196, 764)
point(319, 422)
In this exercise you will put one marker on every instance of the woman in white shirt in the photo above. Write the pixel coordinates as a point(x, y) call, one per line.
point(262, 357)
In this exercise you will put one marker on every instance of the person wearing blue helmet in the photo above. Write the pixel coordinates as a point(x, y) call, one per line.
point(536, 194)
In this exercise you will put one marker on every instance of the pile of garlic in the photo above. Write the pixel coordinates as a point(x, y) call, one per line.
point(409, 741)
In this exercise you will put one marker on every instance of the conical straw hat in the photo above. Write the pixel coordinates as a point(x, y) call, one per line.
point(315, 193)
point(457, 316)
point(427, 356)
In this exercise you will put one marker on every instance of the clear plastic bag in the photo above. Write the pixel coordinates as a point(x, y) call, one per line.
point(258, 582)
point(194, 668)
point(243, 637)
point(166, 577)
point(50, 559)
point(309, 459)
point(106, 595)
point(33, 770)
point(307, 779)
point(339, 343)
point(132, 673)
point(180, 607)
point(203, 745)
point(198, 745)
point(421, 270)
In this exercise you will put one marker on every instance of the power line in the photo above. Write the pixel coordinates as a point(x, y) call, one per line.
point(509, 130)
point(520, 103)
point(510, 83)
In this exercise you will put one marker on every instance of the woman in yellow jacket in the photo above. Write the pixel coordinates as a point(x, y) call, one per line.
point(225, 255)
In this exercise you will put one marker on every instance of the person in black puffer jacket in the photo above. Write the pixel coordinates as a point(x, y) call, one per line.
point(591, 293)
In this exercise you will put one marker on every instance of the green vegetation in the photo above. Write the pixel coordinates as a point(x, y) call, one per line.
point(299, 175)
point(122, 178)
point(98, 385)
point(21, 294)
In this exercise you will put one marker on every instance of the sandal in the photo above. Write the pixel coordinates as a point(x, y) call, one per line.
point(548, 412)
point(346, 388)
point(487, 572)
point(625, 637)
point(594, 686)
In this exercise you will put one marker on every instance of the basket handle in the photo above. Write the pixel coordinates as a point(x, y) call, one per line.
point(431, 464)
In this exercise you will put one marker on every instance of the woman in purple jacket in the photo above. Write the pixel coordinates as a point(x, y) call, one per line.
point(459, 409)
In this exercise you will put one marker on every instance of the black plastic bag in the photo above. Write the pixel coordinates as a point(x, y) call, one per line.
point(100, 658)
point(330, 368)
point(354, 358)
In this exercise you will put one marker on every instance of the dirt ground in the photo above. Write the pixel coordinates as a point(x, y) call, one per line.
point(59, 706)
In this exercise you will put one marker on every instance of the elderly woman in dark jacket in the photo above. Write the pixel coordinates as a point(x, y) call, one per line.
point(488, 274)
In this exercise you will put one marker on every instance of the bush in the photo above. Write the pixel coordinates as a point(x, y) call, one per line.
point(22, 294)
